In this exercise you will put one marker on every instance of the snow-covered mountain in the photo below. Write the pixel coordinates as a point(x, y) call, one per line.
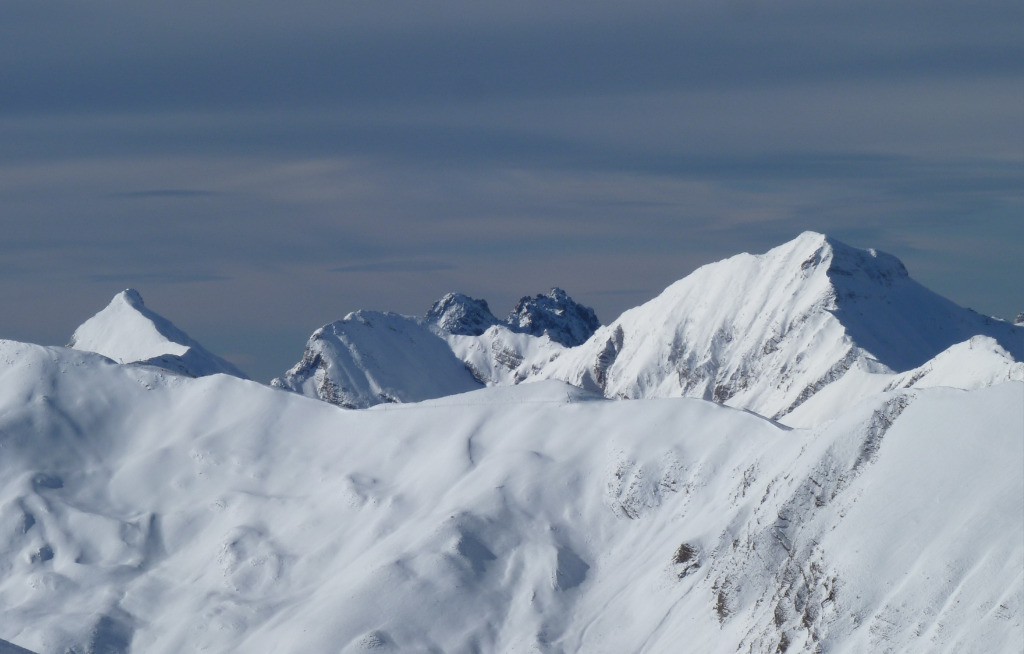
point(767, 332)
point(555, 315)
point(147, 512)
point(128, 331)
point(370, 357)
point(761, 332)
point(457, 313)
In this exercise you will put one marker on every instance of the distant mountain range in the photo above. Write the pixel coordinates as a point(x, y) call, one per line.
point(761, 332)
point(799, 451)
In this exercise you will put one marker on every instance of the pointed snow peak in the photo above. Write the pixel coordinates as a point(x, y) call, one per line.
point(129, 332)
point(459, 314)
point(555, 314)
point(131, 297)
point(842, 263)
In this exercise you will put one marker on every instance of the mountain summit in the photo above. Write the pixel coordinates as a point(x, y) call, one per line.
point(127, 331)
point(457, 313)
point(555, 315)
point(766, 332)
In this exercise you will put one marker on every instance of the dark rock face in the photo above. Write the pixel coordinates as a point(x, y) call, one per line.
point(1020, 319)
point(557, 315)
point(460, 314)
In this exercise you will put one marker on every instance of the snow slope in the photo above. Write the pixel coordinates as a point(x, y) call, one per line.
point(127, 331)
point(148, 512)
point(975, 363)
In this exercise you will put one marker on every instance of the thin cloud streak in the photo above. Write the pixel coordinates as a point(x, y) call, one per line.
point(182, 193)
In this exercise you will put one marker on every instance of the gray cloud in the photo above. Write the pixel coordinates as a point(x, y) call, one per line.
point(156, 278)
point(225, 156)
point(394, 266)
point(182, 193)
point(120, 55)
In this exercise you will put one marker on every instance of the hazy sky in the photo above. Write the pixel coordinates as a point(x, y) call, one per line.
point(257, 169)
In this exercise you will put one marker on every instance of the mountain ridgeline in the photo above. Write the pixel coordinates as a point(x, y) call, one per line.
point(818, 455)
point(789, 334)
point(765, 332)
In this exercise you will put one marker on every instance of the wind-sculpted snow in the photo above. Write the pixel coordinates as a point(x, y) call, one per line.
point(127, 331)
point(147, 512)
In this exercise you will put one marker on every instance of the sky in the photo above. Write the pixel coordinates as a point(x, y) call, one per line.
point(258, 169)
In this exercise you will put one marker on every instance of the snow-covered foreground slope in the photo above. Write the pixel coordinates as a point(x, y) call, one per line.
point(128, 331)
point(148, 512)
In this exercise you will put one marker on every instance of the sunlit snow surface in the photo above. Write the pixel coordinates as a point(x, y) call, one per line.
point(149, 512)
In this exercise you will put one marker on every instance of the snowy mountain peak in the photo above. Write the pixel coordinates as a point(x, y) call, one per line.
point(842, 264)
point(556, 315)
point(1019, 321)
point(374, 357)
point(129, 332)
point(767, 332)
point(457, 313)
point(131, 297)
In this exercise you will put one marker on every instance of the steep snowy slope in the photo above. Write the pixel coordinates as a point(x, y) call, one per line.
point(371, 357)
point(767, 332)
point(976, 363)
point(127, 331)
point(148, 512)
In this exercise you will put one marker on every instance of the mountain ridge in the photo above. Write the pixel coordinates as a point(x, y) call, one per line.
point(762, 332)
